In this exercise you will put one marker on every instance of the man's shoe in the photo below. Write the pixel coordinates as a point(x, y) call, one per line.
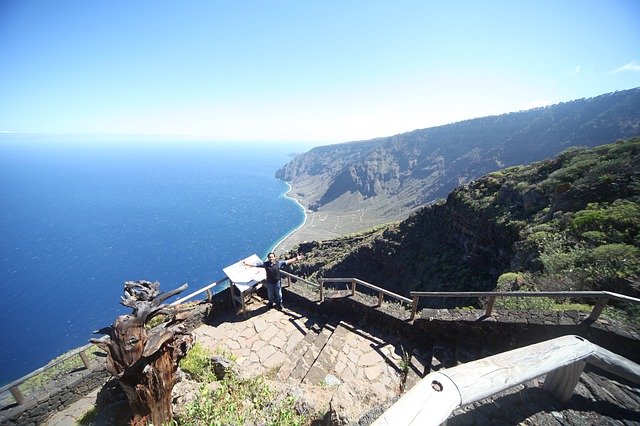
point(279, 307)
point(269, 305)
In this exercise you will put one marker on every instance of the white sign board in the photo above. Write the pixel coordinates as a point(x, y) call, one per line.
point(241, 274)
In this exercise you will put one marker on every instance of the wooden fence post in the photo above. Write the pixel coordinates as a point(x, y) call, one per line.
point(414, 308)
point(490, 303)
point(380, 297)
point(353, 287)
point(321, 281)
point(85, 360)
point(17, 395)
point(597, 309)
point(562, 381)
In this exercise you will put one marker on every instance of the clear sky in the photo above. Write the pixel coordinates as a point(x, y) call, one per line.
point(323, 71)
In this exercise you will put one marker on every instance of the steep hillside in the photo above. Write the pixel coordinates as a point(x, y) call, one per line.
point(570, 222)
point(389, 177)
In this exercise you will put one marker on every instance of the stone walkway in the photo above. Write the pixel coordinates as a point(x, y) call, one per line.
point(355, 368)
point(329, 362)
point(326, 362)
point(75, 412)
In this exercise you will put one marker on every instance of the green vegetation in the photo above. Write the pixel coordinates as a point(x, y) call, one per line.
point(58, 371)
point(232, 400)
point(589, 237)
point(240, 402)
point(197, 363)
point(569, 223)
point(89, 417)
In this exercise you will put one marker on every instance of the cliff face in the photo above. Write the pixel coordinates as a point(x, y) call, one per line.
point(400, 173)
point(570, 222)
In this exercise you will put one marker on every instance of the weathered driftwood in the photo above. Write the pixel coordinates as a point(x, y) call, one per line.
point(145, 361)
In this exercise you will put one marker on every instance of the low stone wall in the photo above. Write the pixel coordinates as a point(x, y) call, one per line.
point(59, 394)
point(55, 396)
point(504, 330)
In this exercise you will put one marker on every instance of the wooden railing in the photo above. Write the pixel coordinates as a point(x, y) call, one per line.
point(433, 399)
point(602, 297)
point(14, 386)
point(289, 277)
point(354, 282)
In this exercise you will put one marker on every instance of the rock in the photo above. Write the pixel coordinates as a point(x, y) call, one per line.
point(184, 392)
point(222, 366)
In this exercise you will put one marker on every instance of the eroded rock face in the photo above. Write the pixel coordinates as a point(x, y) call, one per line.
point(416, 168)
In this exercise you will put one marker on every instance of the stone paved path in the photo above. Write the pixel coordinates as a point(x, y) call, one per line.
point(73, 413)
point(325, 361)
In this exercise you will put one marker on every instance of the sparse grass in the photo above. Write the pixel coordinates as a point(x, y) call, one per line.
point(58, 371)
point(234, 401)
point(197, 363)
point(630, 313)
point(88, 417)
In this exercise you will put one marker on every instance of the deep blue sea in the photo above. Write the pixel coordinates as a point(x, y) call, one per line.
point(78, 220)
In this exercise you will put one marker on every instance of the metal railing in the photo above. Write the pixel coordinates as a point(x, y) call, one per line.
point(432, 400)
point(602, 297)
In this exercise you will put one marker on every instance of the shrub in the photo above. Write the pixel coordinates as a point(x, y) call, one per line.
point(509, 281)
point(241, 402)
point(611, 261)
point(512, 281)
point(197, 363)
point(619, 220)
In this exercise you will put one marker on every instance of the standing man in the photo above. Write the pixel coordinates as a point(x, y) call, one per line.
point(274, 283)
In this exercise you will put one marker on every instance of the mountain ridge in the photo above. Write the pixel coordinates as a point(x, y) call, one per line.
point(390, 177)
point(571, 222)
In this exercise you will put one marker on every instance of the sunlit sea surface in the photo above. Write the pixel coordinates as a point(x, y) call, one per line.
point(78, 220)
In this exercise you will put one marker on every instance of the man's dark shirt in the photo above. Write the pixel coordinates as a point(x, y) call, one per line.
point(272, 270)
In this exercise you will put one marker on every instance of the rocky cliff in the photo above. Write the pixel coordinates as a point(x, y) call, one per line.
point(390, 177)
point(567, 223)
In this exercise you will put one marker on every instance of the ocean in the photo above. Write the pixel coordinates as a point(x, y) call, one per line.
point(77, 220)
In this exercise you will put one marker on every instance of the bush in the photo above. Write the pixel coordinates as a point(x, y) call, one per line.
point(618, 221)
point(512, 281)
point(509, 281)
point(197, 363)
point(612, 261)
point(241, 402)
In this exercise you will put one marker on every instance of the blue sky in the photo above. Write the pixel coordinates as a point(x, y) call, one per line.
point(320, 71)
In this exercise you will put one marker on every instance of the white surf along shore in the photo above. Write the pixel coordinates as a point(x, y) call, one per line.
point(284, 244)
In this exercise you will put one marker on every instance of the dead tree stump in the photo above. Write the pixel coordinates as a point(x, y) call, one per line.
point(145, 361)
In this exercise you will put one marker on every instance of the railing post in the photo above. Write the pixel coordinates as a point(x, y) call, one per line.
point(209, 296)
point(353, 287)
point(380, 297)
point(562, 381)
point(597, 309)
point(85, 360)
point(17, 395)
point(414, 308)
point(321, 281)
point(490, 303)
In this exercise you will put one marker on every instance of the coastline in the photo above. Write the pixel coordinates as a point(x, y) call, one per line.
point(284, 244)
point(325, 224)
